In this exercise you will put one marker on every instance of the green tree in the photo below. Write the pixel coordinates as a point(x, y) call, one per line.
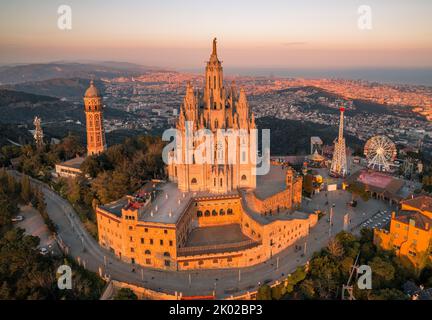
point(264, 293)
point(335, 248)
point(125, 294)
point(382, 269)
point(26, 192)
point(388, 294)
point(307, 289)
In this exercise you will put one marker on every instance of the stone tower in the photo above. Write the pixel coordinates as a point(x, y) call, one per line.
point(94, 121)
point(339, 165)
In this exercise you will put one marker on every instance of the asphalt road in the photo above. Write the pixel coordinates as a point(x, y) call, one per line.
point(224, 282)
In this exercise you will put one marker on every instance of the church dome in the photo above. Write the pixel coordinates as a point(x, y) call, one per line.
point(92, 91)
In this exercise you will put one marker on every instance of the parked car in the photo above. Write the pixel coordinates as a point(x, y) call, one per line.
point(17, 219)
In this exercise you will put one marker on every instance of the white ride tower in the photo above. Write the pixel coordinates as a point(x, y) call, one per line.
point(339, 167)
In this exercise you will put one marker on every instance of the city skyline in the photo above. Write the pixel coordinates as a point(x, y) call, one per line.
point(274, 34)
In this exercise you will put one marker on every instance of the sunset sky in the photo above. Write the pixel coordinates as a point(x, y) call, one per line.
point(272, 33)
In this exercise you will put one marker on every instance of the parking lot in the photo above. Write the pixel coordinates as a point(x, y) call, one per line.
point(379, 220)
point(34, 225)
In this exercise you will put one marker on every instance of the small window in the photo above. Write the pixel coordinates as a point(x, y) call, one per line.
point(194, 181)
point(244, 177)
point(166, 254)
point(207, 213)
point(161, 242)
point(147, 252)
point(214, 213)
point(199, 213)
point(142, 240)
point(167, 263)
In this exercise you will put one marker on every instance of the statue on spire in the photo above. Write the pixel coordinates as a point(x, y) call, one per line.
point(214, 47)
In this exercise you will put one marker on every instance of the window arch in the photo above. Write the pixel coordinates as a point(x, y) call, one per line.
point(221, 212)
point(147, 252)
point(243, 177)
point(214, 213)
point(166, 254)
point(229, 211)
point(199, 213)
point(194, 181)
point(207, 213)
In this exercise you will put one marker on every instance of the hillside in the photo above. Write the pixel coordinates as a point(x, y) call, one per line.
point(19, 107)
point(293, 136)
point(44, 71)
point(71, 89)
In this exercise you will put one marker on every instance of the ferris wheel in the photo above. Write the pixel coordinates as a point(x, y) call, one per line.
point(380, 152)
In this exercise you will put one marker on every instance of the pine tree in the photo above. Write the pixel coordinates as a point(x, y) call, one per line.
point(26, 192)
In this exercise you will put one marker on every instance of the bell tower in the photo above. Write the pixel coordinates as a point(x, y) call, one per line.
point(96, 143)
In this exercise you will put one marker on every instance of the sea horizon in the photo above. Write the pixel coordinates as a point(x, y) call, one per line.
point(394, 76)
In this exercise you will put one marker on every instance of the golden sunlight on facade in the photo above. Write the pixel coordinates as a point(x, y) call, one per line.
point(208, 215)
point(410, 233)
point(94, 121)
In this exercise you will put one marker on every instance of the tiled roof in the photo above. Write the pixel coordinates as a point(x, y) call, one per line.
point(423, 203)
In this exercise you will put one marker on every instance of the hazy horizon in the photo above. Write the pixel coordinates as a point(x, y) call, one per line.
point(178, 34)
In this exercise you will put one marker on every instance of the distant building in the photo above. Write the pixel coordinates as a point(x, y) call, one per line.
point(69, 168)
point(410, 232)
point(96, 143)
point(380, 185)
point(316, 145)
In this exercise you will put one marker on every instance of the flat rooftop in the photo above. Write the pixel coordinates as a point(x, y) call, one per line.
point(73, 163)
point(271, 183)
point(167, 205)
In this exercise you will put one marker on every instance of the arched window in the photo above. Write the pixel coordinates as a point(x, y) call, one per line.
point(147, 252)
point(214, 213)
point(221, 182)
point(229, 211)
point(221, 212)
point(166, 254)
point(243, 177)
point(199, 213)
point(207, 213)
point(194, 181)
